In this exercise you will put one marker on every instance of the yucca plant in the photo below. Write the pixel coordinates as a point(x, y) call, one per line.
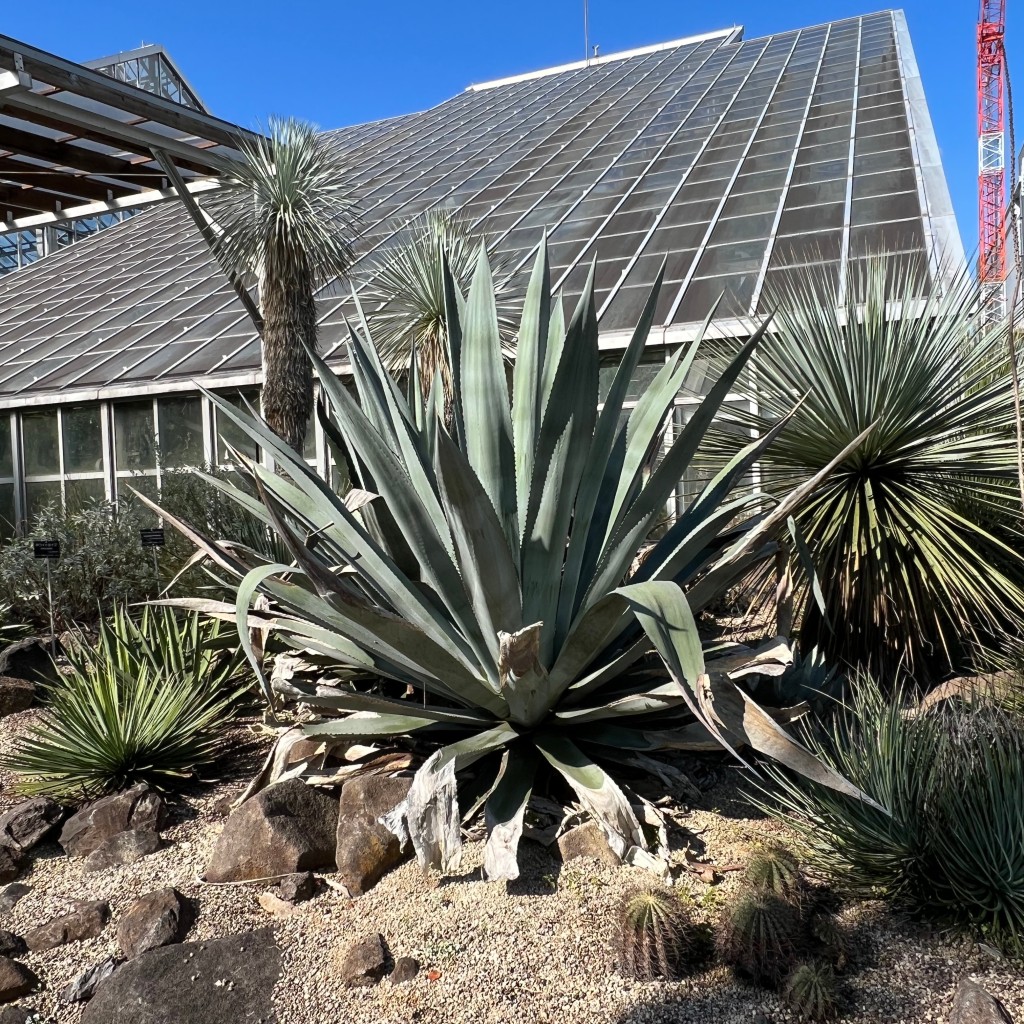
point(147, 703)
point(913, 536)
point(486, 566)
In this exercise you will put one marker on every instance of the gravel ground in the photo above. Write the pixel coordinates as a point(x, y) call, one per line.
point(535, 951)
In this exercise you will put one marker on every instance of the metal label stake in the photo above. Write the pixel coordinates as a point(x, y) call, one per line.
point(48, 549)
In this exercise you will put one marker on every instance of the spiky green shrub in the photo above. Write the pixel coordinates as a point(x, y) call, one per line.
point(485, 569)
point(812, 992)
point(760, 935)
point(913, 537)
point(147, 703)
point(655, 936)
point(953, 780)
point(776, 870)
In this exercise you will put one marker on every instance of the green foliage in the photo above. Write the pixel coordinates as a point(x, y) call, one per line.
point(812, 992)
point(146, 703)
point(831, 938)
point(102, 564)
point(953, 781)
point(486, 569)
point(913, 537)
point(760, 934)
point(11, 630)
point(776, 870)
point(654, 935)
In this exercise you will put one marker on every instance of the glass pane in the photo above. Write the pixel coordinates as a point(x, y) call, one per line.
point(80, 493)
point(140, 482)
point(6, 459)
point(39, 495)
point(134, 436)
point(39, 430)
point(6, 511)
point(83, 445)
point(309, 447)
point(181, 431)
point(229, 434)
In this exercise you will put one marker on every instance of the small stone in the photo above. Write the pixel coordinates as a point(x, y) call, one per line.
point(406, 968)
point(973, 1005)
point(135, 808)
point(16, 980)
point(586, 840)
point(11, 944)
point(84, 986)
point(297, 888)
point(159, 918)
point(365, 962)
point(27, 824)
point(85, 922)
point(11, 894)
point(273, 904)
point(285, 828)
point(12, 860)
point(123, 848)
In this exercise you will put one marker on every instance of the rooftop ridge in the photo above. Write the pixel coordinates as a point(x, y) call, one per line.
point(727, 35)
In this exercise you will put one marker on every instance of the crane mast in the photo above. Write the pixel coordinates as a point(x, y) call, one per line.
point(992, 263)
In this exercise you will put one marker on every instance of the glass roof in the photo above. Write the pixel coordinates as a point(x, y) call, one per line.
point(740, 162)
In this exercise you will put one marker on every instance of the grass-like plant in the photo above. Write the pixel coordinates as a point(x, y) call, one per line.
point(812, 992)
point(655, 936)
point(912, 536)
point(953, 780)
point(486, 569)
point(147, 703)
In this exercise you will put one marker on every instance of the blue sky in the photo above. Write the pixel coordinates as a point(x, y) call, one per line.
point(342, 63)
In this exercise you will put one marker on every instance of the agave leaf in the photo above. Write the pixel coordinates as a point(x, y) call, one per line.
point(505, 811)
point(366, 727)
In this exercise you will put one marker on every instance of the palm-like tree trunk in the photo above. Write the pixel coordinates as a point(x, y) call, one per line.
point(289, 318)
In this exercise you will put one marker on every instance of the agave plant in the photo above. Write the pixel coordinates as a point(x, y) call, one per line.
point(913, 536)
point(486, 570)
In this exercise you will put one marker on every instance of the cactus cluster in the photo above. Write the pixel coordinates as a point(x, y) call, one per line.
point(656, 936)
point(776, 870)
point(760, 936)
point(811, 991)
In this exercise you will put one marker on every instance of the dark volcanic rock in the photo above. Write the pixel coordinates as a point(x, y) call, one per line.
point(124, 848)
point(586, 840)
point(159, 918)
point(364, 849)
point(15, 695)
point(11, 944)
point(973, 1005)
point(222, 981)
point(10, 895)
point(27, 824)
point(85, 922)
point(14, 1015)
point(84, 986)
point(29, 659)
point(12, 860)
point(297, 888)
point(136, 808)
point(365, 962)
point(287, 828)
point(406, 968)
point(16, 980)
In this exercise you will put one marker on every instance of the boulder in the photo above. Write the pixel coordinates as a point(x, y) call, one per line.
point(364, 849)
point(297, 888)
point(586, 840)
point(14, 1015)
point(215, 982)
point(84, 986)
point(11, 894)
point(11, 944)
point(135, 808)
point(15, 695)
point(973, 1005)
point(124, 848)
point(406, 968)
point(86, 921)
point(27, 824)
point(365, 962)
point(157, 919)
point(29, 659)
point(16, 980)
point(286, 828)
point(12, 860)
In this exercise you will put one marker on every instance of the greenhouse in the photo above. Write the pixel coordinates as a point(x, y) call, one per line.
point(735, 162)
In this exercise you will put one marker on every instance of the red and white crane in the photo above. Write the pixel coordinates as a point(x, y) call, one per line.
point(992, 261)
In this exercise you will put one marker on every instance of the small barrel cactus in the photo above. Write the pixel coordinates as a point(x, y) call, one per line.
point(774, 869)
point(759, 935)
point(811, 991)
point(655, 934)
point(827, 931)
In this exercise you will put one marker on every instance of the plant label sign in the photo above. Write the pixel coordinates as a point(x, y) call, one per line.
point(46, 549)
point(152, 538)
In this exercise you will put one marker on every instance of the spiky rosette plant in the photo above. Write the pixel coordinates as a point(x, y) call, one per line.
point(486, 569)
